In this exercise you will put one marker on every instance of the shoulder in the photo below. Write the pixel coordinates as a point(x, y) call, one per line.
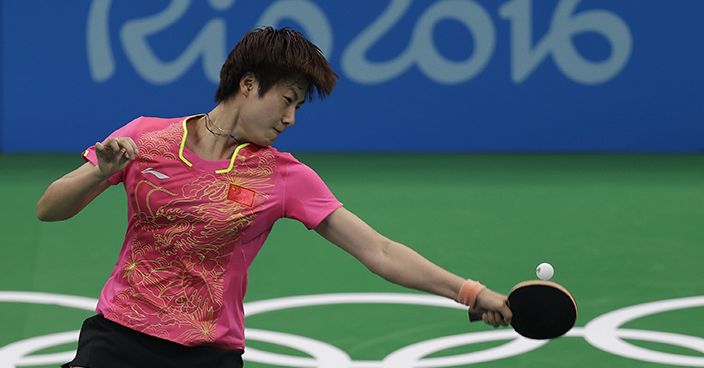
point(282, 158)
point(285, 163)
point(152, 123)
point(292, 165)
point(148, 125)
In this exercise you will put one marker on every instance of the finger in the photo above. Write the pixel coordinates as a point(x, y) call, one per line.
point(135, 150)
point(106, 145)
point(112, 151)
point(112, 143)
point(118, 150)
point(489, 318)
point(499, 319)
point(126, 147)
point(507, 314)
point(103, 151)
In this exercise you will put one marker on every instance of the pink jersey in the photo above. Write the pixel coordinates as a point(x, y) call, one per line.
point(194, 228)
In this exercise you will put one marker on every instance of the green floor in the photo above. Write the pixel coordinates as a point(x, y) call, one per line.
point(620, 230)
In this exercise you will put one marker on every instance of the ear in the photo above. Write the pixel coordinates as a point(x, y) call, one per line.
point(247, 84)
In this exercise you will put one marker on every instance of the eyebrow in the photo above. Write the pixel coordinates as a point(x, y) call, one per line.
point(295, 94)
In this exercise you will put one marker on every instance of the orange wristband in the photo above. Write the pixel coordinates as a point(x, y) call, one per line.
point(469, 291)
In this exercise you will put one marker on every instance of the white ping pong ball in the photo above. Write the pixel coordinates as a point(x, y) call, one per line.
point(545, 271)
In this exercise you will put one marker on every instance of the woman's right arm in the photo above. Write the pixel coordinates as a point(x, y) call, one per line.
point(68, 195)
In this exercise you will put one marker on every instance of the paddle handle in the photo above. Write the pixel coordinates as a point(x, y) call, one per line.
point(475, 315)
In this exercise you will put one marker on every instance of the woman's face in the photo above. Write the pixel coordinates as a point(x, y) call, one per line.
point(263, 118)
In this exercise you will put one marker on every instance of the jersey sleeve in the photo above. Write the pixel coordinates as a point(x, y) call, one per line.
point(307, 198)
point(129, 130)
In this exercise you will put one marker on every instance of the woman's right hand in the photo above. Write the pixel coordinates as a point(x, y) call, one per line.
point(494, 307)
point(114, 154)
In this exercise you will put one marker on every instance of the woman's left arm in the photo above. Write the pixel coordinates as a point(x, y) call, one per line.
point(391, 260)
point(401, 265)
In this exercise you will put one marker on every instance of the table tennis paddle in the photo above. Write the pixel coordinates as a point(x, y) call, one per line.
point(541, 309)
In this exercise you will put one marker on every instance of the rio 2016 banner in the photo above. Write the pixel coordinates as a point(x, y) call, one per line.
point(446, 75)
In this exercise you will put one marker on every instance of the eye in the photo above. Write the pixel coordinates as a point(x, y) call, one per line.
point(289, 100)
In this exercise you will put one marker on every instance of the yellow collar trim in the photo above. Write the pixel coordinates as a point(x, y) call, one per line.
point(183, 146)
point(183, 143)
point(232, 159)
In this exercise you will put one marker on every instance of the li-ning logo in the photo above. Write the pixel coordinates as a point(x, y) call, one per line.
point(526, 53)
point(159, 175)
point(604, 332)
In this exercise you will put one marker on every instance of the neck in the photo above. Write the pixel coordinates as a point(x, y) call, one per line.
point(215, 140)
point(225, 115)
point(217, 131)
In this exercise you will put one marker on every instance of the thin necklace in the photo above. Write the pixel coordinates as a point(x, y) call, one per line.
point(222, 133)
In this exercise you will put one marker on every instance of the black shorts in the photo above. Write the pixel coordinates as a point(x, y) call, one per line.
point(106, 344)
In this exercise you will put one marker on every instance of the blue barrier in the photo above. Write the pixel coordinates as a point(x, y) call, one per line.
point(450, 75)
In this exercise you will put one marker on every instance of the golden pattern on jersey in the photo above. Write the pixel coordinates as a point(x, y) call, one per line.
point(175, 270)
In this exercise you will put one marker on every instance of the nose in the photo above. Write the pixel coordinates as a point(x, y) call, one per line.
point(289, 118)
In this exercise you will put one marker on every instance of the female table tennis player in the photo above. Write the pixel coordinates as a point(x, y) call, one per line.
point(203, 194)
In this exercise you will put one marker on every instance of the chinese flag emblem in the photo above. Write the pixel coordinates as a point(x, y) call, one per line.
point(241, 195)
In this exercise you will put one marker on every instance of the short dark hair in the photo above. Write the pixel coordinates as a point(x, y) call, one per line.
point(273, 56)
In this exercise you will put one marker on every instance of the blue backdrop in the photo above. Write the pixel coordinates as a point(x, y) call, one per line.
point(451, 75)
